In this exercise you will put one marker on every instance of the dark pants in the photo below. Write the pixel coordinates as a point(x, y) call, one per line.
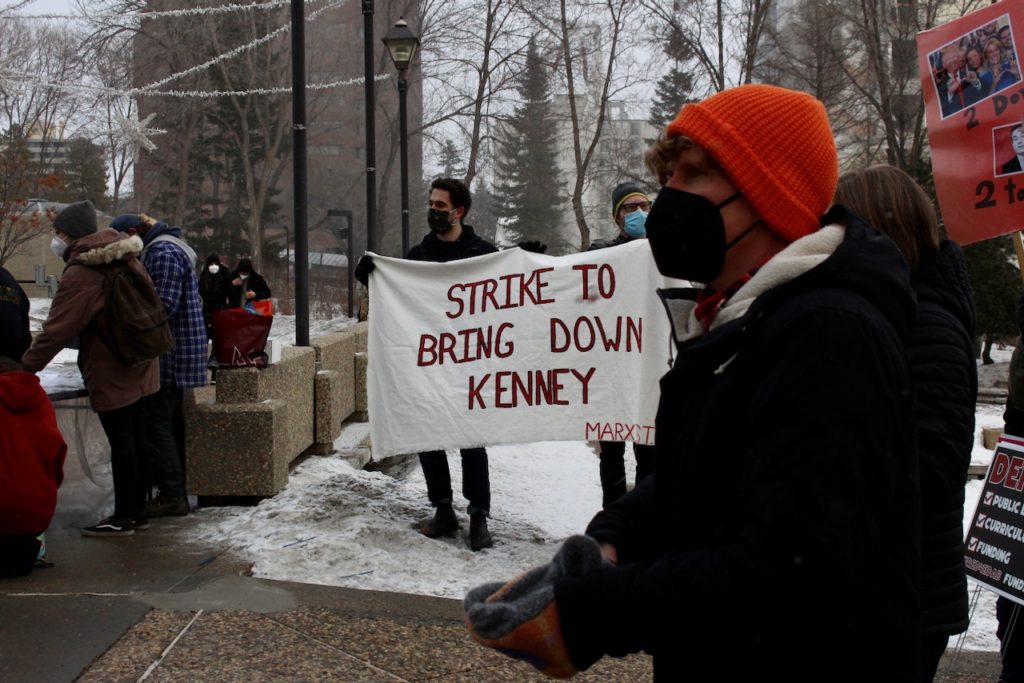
point(476, 483)
point(613, 468)
point(932, 647)
point(165, 428)
point(18, 554)
point(1011, 639)
point(129, 458)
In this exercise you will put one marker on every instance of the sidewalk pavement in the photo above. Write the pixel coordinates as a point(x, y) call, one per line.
point(158, 606)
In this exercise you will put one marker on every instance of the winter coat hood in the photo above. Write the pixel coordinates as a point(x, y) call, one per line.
point(161, 228)
point(104, 246)
point(20, 392)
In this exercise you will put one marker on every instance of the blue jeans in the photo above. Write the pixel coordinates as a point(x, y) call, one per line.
point(476, 483)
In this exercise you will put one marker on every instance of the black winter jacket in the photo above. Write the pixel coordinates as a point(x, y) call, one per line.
point(15, 337)
point(255, 283)
point(778, 537)
point(215, 291)
point(468, 245)
point(609, 242)
point(945, 378)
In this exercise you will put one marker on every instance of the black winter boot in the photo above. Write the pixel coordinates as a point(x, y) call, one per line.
point(444, 523)
point(479, 536)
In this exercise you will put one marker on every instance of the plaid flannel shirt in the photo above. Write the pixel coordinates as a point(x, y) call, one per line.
point(176, 284)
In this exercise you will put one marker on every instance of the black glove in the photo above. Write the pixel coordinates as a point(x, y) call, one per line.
point(536, 246)
point(364, 268)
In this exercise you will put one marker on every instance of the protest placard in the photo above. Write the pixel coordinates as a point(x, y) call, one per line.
point(515, 347)
point(994, 555)
point(974, 104)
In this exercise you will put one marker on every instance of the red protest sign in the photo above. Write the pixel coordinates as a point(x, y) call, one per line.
point(974, 102)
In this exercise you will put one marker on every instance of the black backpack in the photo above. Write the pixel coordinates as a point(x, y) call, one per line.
point(133, 323)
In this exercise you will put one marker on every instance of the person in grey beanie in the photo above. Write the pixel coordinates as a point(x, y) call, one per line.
point(117, 392)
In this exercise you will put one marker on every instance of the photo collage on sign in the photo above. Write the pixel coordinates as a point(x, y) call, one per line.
point(977, 65)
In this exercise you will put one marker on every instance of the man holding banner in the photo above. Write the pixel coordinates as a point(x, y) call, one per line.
point(450, 239)
point(778, 537)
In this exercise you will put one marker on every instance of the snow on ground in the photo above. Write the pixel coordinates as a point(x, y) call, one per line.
point(337, 525)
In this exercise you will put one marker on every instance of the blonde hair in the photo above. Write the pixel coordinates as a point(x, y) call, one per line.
point(893, 202)
point(660, 158)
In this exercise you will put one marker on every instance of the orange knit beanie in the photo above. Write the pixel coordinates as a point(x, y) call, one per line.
point(776, 146)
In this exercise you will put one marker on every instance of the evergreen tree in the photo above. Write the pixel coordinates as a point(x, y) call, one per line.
point(529, 190)
point(672, 91)
point(85, 174)
point(996, 284)
point(675, 88)
point(484, 217)
point(452, 163)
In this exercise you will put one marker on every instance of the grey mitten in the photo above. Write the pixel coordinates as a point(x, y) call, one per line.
point(520, 618)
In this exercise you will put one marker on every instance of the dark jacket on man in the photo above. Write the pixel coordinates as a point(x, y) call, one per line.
point(215, 291)
point(255, 283)
point(14, 328)
point(945, 377)
point(606, 242)
point(468, 245)
point(779, 536)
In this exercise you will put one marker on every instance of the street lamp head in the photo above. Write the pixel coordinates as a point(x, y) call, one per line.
point(401, 43)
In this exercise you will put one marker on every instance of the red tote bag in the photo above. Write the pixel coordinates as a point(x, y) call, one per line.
point(239, 338)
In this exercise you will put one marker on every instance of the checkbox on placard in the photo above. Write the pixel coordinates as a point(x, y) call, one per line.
point(988, 498)
point(981, 520)
point(972, 545)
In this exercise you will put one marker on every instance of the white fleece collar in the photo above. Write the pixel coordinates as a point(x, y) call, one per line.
point(793, 261)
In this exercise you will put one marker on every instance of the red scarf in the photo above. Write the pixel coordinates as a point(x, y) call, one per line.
point(711, 300)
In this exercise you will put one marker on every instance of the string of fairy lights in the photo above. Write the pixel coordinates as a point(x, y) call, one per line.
point(133, 132)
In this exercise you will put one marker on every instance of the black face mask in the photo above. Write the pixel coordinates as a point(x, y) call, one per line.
point(687, 235)
point(437, 219)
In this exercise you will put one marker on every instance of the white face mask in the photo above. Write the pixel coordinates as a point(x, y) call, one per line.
point(244, 276)
point(213, 268)
point(57, 246)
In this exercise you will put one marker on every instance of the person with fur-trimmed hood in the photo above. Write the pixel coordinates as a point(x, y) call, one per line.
point(779, 536)
point(116, 390)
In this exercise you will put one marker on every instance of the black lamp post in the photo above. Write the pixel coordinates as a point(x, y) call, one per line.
point(402, 44)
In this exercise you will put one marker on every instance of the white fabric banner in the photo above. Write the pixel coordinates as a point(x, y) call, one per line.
point(515, 347)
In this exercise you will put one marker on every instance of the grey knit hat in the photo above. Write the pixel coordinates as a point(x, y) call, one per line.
point(76, 220)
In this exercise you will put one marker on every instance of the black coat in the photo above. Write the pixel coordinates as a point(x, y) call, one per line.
point(604, 243)
point(256, 282)
point(468, 245)
point(945, 378)
point(15, 337)
point(215, 290)
point(778, 537)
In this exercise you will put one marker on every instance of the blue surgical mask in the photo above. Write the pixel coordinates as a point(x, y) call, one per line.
point(635, 224)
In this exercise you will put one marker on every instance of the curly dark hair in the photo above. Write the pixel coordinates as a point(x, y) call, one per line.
point(457, 190)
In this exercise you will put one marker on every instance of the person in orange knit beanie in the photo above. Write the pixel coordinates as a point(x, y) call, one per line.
point(778, 536)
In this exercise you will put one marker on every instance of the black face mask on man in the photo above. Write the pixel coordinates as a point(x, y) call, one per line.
point(687, 235)
point(438, 221)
